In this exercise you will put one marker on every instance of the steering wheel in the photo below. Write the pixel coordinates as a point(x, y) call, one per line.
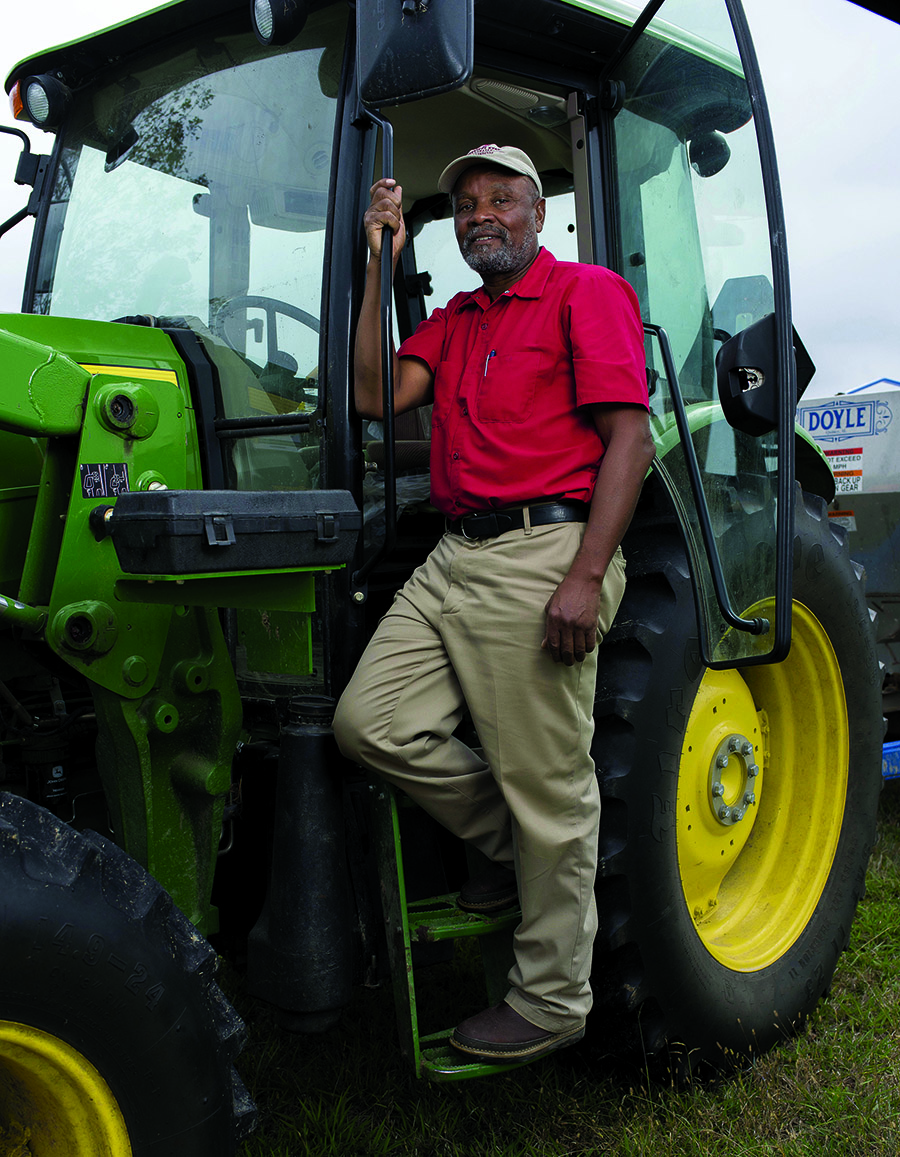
point(271, 306)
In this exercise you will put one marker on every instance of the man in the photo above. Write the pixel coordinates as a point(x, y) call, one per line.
point(540, 444)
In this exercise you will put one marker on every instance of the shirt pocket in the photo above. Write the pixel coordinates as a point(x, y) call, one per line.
point(506, 392)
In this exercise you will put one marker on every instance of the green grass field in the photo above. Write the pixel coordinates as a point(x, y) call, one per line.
point(835, 1089)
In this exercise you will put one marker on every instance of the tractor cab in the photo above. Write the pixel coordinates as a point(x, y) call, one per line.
point(212, 184)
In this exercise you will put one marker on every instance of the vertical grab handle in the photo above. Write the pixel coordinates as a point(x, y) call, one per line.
point(387, 369)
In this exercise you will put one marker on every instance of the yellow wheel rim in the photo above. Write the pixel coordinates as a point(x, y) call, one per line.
point(53, 1100)
point(761, 795)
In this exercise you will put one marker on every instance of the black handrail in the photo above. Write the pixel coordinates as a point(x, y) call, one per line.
point(387, 369)
point(731, 617)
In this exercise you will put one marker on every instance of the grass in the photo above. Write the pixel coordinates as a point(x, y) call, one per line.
point(833, 1090)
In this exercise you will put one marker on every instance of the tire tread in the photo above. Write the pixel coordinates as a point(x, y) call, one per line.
point(36, 845)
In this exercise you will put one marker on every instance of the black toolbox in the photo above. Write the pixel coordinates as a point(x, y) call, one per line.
point(175, 532)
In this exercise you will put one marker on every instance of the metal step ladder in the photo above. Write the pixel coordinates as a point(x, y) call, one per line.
point(430, 921)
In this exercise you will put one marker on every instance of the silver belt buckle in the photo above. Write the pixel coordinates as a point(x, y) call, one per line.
point(462, 527)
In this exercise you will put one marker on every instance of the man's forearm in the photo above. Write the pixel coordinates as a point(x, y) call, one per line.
point(367, 386)
point(623, 469)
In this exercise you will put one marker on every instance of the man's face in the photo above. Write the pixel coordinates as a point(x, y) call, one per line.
point(497, 215)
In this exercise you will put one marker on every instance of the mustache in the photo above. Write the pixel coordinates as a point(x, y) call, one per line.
point(478, 231)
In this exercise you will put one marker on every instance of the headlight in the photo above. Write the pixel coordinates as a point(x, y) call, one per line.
point(277, 21)
point(44, 100)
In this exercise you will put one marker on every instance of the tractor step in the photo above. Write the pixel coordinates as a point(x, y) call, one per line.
point(440, 919)
point(440, 1061)
point(426, 922)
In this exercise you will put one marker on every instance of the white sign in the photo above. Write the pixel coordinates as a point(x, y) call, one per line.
point(846, 466)
point(859, 437)
point(837, 419)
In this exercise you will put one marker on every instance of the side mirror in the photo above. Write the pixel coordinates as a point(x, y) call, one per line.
point(708, 153)
point(747, 376)
point(409, 49)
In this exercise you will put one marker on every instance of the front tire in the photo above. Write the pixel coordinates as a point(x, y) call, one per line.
point(114, 1039)
point(738, 807)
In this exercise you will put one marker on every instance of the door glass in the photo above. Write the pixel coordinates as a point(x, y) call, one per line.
point(694, 243)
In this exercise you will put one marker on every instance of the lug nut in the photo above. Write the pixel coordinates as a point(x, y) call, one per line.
point(749, 798)
point(724, 813)
point(722, 761)
point(753, 770)
point(717, 789)
point(747, 749)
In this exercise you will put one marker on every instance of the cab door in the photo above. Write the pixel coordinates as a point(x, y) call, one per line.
point(694, 222)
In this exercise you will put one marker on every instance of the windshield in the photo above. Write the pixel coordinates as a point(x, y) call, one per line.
point(194, 186)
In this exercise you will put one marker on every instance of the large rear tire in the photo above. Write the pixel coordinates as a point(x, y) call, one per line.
point(738, 807)
point(114, 1039)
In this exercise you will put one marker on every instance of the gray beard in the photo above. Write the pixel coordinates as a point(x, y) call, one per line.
point(507, 259)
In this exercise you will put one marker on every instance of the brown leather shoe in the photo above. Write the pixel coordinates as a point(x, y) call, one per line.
point(490, 891)
point(501, 1034)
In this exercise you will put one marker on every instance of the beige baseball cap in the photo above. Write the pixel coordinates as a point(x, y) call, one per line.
point(506, 156)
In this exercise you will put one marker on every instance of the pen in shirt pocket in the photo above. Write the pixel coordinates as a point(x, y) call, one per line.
point(487, 361)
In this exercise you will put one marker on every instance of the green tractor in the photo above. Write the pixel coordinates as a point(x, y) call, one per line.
point(198, 534)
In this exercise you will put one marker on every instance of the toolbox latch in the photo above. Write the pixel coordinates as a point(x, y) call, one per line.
point(327, 528)
point(219, 529)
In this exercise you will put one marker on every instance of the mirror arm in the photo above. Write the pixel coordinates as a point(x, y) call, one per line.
point(28, 170)
point(13, 221)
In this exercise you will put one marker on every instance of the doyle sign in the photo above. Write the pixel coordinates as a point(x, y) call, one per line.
point(845, 417)
point(859, 437)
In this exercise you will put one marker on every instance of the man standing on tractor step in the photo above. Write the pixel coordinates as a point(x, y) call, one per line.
point(540, 444)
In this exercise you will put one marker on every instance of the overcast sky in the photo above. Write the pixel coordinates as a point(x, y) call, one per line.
point(829, 69)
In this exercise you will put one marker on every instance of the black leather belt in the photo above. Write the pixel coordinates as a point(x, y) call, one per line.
point(490, 523)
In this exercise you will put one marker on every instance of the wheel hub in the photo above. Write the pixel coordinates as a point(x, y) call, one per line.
point(732, 775)
point(52, 1096)
point(751, 875)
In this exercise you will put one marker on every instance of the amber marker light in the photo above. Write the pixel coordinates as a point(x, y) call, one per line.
point(15, 102)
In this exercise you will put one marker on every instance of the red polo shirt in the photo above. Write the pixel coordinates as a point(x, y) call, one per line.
point(511, 378)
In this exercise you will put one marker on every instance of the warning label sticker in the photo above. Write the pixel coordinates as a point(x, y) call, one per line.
point(103, 479)
point(847, 466)
point(845, 518)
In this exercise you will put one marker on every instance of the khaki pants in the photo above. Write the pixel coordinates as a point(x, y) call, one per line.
point(466, 631)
